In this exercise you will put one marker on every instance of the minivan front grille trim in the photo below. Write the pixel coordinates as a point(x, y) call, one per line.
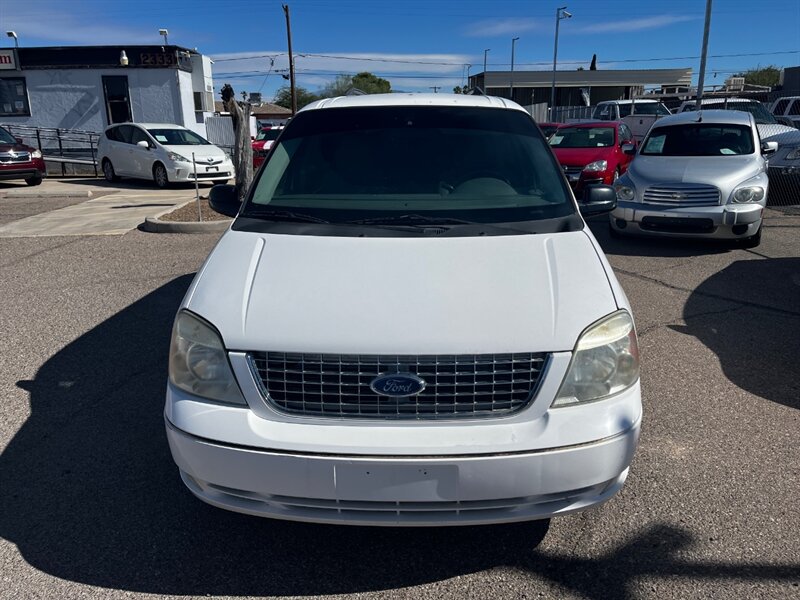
point(338, 386)
point(682, 195)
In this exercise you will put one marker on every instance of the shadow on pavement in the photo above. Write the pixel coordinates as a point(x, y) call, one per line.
point(757, 340)
point(90, 494)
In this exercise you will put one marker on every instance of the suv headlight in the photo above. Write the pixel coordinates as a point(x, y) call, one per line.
point(794, 154)
point(749, 193)
point(596, 166)
point(198, 363)
point(174, 156)
point(605, 361)
point(625, 192)
point(36, 154)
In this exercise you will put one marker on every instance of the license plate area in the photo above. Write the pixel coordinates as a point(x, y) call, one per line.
point(388, 482)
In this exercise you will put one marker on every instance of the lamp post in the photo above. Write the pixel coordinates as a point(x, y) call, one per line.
point(561, 13)
point(485, 54)
point(164, 33)
point(511, 78)
point(13, 34)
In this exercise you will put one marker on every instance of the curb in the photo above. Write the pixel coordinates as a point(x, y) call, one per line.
point(46, 194)
point(157, 226)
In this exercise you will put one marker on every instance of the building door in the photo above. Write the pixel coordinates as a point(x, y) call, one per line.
point(118, 103)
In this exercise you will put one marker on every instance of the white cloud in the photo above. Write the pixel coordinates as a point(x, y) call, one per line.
point(631, 25)
point(498, 27)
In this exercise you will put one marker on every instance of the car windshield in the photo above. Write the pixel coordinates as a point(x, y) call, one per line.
point(583, 137)
point(6, 138)
point(407, 165)
point(643, 108)
point(699, 139)
point(177, 137)
point(268, 134)
point(758, 110)
point(548, 130)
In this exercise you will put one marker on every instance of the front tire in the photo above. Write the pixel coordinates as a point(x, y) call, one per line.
point(35, 180)
point(754, 240)
point(160, 176)
point(108, 171)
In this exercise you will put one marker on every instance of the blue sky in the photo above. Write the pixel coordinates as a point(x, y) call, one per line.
point(417, 44)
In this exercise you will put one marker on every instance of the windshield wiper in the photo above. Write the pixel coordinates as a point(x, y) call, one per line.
point(283, 215)
point(406, 219)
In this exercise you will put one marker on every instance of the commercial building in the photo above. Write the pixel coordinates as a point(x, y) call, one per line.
point(90, 87)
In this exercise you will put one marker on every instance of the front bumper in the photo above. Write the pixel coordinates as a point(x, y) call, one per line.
point(403, 491)
point(185, 172)
point(35, 168)
point(729, 221)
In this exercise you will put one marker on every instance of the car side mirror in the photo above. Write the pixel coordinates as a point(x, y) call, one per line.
point(225, 200)
point(629, 148)
point(143, 144)
point(598, 199)
point(768, 148)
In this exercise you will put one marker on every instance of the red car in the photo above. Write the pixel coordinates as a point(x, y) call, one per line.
point(263, 142)
point(18, 161)
point(591, 153)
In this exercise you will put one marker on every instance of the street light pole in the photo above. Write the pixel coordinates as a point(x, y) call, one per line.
point(700, 81)
point(561, 13)
point(511, 79)
point(485, 54)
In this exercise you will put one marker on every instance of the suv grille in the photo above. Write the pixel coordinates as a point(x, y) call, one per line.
point(458, 386)
point(682, 195)
point(14, 157)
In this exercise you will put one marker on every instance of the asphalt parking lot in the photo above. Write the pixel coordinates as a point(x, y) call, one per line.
point(91, 505)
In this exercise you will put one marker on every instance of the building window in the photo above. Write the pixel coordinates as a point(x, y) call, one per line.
point(118, 102)
point(14, 97)
point(203, 102)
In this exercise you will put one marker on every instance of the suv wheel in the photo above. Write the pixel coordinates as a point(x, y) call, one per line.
point(160, 176)
point(108, 171)
point(754, 240)
point(35, 180)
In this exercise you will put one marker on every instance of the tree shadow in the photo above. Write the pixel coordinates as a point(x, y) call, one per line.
point(90, 494)
point(757, 338)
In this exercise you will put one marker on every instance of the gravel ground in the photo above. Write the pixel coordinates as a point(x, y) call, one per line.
point(188, 212)
point(91, 505)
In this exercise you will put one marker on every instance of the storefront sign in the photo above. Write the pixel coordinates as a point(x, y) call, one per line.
point(8, 59)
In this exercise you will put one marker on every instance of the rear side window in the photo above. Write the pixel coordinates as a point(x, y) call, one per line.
point(794, 109)
point(781, 106)
point(699, 139)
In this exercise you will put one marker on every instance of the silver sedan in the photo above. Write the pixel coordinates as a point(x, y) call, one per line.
point(697, 174)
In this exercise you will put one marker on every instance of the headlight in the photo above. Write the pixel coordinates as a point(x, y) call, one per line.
point(198, 363)
point(174, 156)
point(36, 154)
point(598, 165)
point(794, 154)
point(750, 193)
point(605, 361)
point(625, 192)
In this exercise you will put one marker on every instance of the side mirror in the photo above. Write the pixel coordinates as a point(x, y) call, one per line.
point(629, 148)
point(225, 200)
point(143, 144)
point(598, 199)
point(768, 148)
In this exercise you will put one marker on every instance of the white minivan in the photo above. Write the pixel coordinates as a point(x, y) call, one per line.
point(408, 323)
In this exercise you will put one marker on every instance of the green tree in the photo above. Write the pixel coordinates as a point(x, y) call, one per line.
point(338, 87)
point(283, 97)
point(769, 75)
point(371, 84)
point(459, 90)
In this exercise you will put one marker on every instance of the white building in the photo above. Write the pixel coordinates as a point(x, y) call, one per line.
point(89, 87)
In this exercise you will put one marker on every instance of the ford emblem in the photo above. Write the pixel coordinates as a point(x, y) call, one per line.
point(397, 385)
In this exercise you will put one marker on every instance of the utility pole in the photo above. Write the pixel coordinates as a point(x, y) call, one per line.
point(291, 60)
point(511, 78)
point(485, 54)
point(561, 13)
point(702, 77)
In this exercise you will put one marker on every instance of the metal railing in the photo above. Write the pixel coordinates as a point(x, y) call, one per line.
point(64, 146)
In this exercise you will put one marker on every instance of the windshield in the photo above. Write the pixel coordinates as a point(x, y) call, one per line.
point(177, 137)
point(643, 108)
point(408, 165)
point(548, 130)
point(268, 134)
point(699, 139)
point(6, 138)
point(583, 137)
point(758, 110)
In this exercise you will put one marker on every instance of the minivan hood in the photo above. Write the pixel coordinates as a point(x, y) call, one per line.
point(724, 172)
point(397, 295)
point(201, 151)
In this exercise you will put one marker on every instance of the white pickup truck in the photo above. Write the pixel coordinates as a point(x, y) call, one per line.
point(638, 115)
